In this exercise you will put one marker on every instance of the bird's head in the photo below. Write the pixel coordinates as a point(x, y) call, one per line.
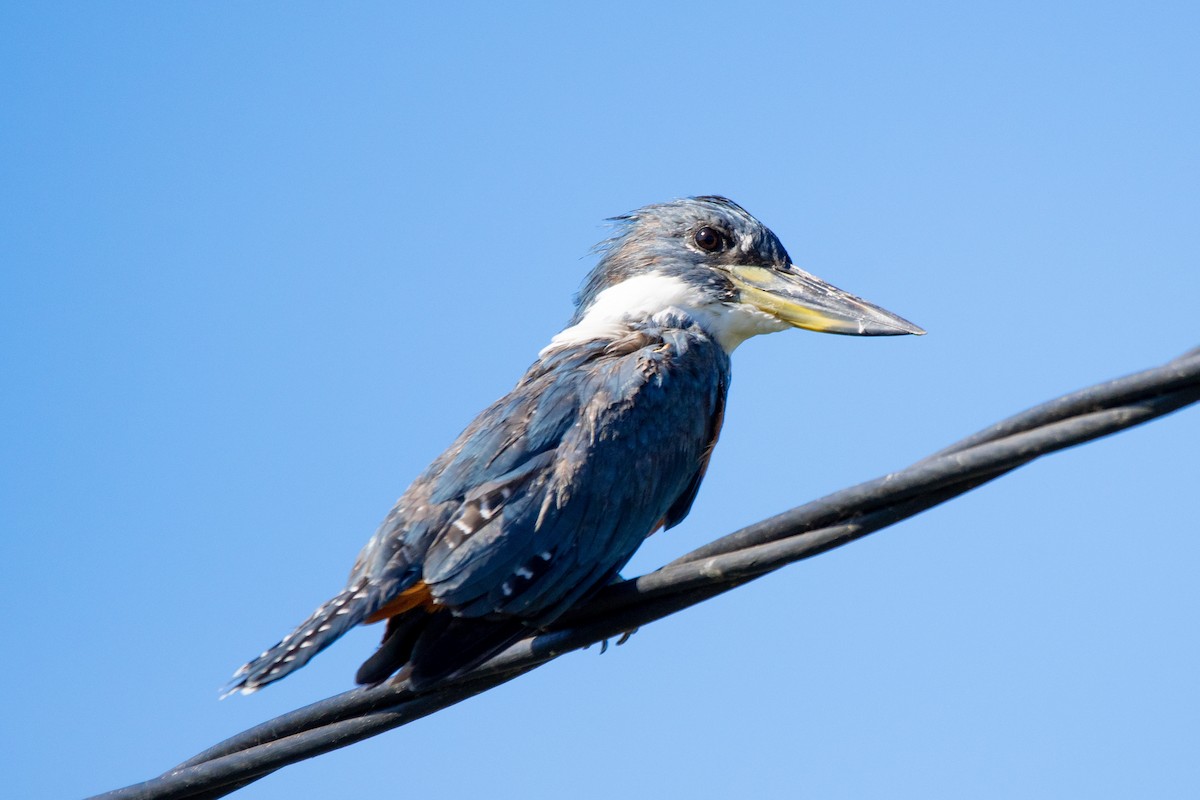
point(707, 257)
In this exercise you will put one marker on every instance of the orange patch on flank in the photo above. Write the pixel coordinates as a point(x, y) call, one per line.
point(417, 595)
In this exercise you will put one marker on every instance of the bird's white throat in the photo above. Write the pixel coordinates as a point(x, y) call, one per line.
point(641, 297)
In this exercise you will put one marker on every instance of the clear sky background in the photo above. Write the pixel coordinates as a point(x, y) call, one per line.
point(262, 262)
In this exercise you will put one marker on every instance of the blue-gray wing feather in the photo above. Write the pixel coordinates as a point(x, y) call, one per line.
point(551, 489)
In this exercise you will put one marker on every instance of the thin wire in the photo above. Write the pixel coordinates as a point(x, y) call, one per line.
point(710, 570)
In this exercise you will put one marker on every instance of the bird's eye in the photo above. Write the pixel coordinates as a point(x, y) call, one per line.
point(708, 239)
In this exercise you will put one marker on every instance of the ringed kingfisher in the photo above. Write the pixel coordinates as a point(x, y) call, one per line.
point(605, 440)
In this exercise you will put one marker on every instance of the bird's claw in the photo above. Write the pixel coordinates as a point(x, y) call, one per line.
point(625, 637)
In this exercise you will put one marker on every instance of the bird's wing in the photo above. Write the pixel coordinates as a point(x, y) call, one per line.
point(553, 488)
point(492, 460)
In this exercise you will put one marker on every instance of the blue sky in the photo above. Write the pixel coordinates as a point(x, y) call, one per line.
point(261, 263)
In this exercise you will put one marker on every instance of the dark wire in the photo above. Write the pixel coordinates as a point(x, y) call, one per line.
point(717, 567)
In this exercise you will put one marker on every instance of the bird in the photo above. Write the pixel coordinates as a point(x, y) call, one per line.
point(604, 440)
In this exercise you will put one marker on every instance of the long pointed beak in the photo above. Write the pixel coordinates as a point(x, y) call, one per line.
point(794, 296)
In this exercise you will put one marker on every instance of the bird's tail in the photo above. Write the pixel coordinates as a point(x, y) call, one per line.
point(327, 623)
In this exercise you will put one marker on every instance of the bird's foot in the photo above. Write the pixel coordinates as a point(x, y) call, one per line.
point(625, 637)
